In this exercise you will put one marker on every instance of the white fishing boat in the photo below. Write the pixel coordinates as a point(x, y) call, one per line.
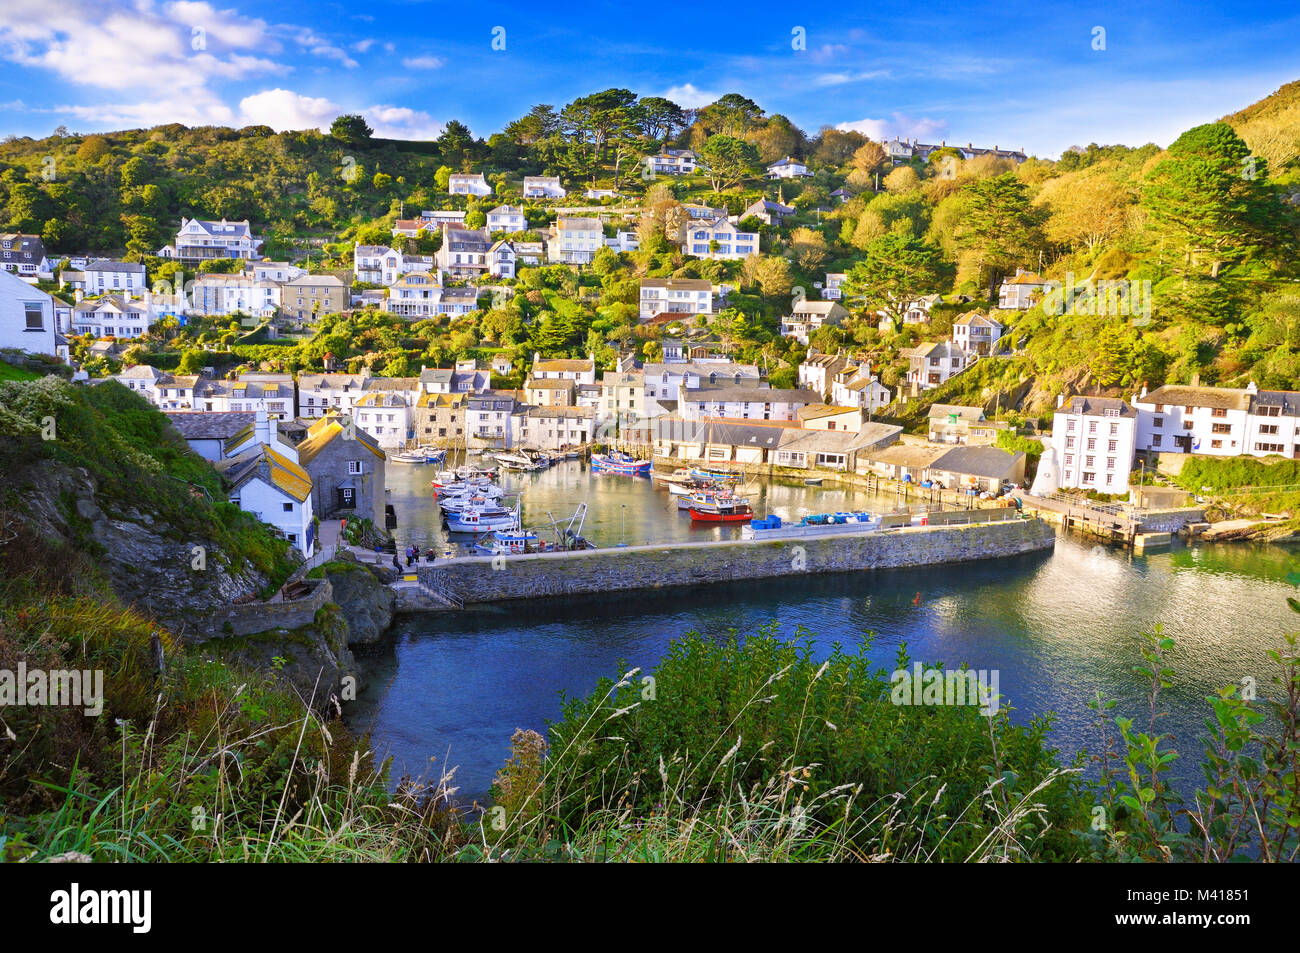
point(516, 461)
point(482, 519)
point(509, 542)
point(418, 456)
point(460, 504)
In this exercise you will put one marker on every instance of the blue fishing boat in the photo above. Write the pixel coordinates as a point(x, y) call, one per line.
point(621, 463)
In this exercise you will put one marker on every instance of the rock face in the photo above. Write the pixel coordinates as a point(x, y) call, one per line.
point(146, 562)
point(366, 602)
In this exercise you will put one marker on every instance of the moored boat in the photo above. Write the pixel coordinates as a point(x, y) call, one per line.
point(481, 519)
point(621, 463)
point(722, 510)
point(714, 476)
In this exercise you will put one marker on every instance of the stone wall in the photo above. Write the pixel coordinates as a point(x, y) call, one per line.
point(253, 617)
point(499, 579)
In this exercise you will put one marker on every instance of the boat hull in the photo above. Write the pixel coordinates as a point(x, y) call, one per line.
point(706, 516)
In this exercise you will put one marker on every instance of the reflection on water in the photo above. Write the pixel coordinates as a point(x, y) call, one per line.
point(1058, 627)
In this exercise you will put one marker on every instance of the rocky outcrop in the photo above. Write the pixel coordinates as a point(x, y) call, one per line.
point(148, 563)
point(365, 600)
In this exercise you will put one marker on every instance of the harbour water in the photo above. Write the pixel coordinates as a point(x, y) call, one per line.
point(1058, 627)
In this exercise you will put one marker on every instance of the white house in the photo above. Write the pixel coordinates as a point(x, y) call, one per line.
point(419, 296)
point(717, 238)
point(565, 369)
point(110, 316)
point(787, 168)
point(386, 416)
point(575, 241)
point(744, 402)
point(918, 312)
point(266, 483)
point(858, 387)
point(675, 296)
point(464, 251)
point(219, 294)
point(26, 316)
point(624, 241)
point(265, 270)
point(436, 218)
point(319, 394)
point(507, 218)
point(767, 212)
point(492, 420)
point(933, 363)
point(831, 291)
point(271, 394)
point(1219, 421)
point(555, 428)
point(976, 333)
point(598, 194)
point(503, 260)
point(1020, 291)
point(807, 317)
point(666, 381)
point(673, 162)
point(818, 371)
point(1093, 439)
point(24, 256)
point(199, 239)
point(105, 276)
point(381, 265)
point(543, 187)
point(464, 183)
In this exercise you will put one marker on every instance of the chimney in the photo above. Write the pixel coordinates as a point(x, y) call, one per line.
point(262, 427)
point(1060, 401)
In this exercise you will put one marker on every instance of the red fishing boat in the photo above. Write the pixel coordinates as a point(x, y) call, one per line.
point(722, 510)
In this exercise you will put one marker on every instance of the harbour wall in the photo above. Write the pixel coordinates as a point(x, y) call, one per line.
point(490, 579)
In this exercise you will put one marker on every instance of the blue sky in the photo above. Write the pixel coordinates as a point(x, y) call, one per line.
point(1011, 74)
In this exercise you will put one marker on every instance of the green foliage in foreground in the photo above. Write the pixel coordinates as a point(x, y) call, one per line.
point(138, 461)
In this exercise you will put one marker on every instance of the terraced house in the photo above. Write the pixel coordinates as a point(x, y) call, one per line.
point(275, 489)
point(575, 241)
point(464, 251)
point(110, 316)
point(322, 394)
point(439, 419)
point(307, 297)
point(492, 420)
point(1220, 421)
point(555, 428)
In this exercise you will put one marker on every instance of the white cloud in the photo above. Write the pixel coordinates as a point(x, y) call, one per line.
point(225, 26)
point(422, 62)
point(189, 107)
point(690, 97)
point(839, 79)
point(904, 127)
point(318, 46)
point(283, 109)
point(363, 46)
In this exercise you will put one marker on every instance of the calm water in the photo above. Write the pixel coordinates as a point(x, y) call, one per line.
point(1057, 626)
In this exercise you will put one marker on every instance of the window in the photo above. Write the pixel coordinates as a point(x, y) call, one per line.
point(35, 316)
point(1216, 444)
point(1110, 463)
point(1069, 459)
point(1092, 426)
point(1114, 429)
point(1158, 422)
point(1088, 461)
point(354, 467)
point(1269, 447)
point(1069, 443)
point(1069, 425)
point(1221, 428)
point(1219, 412)
point(1089, 478)
point(1155, 440)
point(288, 507)
point(1268, 428)
point(1112, 445)
point(1092, 443)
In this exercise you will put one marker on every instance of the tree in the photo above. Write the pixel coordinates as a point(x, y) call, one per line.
point(869, 157)
point(733, 115)
point(999, 228)
point(455, 140)
point(351, 130)
point(659, 118)
point(1207, 198)
point(772, 274)
point(896, 271)
point(903, 179)
point(730, 161)
point(1085, 210)
point(809, 248)
point(835, 147)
